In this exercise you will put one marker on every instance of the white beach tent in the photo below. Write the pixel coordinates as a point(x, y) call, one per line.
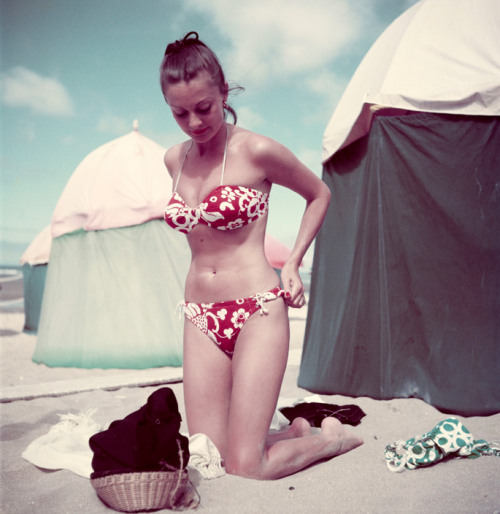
point(116, 270)
point(34, 266)
point(405, 293)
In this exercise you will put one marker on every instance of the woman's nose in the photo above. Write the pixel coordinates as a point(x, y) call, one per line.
point(194, 121)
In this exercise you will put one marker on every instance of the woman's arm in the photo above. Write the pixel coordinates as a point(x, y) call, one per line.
point(283, 168)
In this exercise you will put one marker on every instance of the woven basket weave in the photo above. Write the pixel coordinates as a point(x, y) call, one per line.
point(140, 491)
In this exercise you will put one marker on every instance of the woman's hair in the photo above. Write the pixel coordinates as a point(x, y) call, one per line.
point(187, 57)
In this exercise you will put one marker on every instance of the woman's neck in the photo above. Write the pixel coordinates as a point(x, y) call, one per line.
point(214, 146)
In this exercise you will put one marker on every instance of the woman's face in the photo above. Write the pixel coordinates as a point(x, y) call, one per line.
point(197, 106)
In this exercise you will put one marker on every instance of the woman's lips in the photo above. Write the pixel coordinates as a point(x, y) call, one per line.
point(199, 132)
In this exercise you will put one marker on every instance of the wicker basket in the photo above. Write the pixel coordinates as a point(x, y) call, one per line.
point(140, 491)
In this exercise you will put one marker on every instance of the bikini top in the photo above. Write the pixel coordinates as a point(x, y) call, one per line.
point(224, 208)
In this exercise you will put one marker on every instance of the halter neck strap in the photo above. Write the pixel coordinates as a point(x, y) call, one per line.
point(182, 165)
point(225, 155)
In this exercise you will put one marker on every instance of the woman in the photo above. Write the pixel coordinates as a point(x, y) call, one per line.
point(235, 352)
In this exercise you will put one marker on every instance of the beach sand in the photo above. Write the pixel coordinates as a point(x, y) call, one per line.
point(357, 482)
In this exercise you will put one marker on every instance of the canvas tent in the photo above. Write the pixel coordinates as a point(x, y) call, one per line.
point(34, 266)
point(116, 271)
point(405, 293)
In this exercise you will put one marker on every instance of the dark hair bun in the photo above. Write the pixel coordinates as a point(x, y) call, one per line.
point(177, 46)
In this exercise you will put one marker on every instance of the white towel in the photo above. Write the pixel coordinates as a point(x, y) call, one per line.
point(66, 445)
point(205, 457)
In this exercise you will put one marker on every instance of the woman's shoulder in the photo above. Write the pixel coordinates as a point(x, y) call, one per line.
point(257, 146)
point(278, 163)
point(174, 155)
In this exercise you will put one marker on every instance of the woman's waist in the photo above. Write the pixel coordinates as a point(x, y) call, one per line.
point(217, 284)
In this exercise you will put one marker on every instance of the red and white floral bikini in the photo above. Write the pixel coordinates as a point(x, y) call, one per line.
point(225, 208)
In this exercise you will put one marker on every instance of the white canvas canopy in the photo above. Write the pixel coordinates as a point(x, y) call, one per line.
point(38, 251)
point(404, 295)
point(122, 183)
point(439, 56)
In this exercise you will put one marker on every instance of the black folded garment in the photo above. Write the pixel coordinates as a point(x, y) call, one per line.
point(316, 412)
point(146, 440)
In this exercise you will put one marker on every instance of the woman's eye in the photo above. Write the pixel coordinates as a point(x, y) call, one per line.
point(204, 110)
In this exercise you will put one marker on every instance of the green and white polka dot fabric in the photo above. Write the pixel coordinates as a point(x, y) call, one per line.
point(448, 438)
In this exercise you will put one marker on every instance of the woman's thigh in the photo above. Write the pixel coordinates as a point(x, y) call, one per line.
point(207, 386)
point(259, 363)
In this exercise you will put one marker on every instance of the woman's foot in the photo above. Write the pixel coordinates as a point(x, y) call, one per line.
point(340, 439)
point(299, 427)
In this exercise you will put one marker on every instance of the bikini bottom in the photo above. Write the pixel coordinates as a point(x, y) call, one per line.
point(223, 321)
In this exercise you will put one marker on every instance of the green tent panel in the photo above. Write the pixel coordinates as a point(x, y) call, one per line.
point(110, 299)
point(33, 286)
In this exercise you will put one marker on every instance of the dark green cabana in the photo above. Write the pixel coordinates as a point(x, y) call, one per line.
point(405, 293)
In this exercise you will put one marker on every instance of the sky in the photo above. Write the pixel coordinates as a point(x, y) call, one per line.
point(75, 74)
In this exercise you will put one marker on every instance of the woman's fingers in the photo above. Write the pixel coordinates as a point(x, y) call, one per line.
point(296, 301)
point(294, 295)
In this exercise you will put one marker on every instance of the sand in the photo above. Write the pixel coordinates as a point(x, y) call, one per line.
point(356, 482)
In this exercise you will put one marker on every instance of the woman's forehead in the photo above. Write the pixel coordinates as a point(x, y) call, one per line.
point(196, 90)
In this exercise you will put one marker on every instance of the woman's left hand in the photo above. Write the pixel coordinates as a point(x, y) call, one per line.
point(293, 286)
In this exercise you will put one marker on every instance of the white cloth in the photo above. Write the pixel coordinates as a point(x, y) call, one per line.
point(66, 445)
point(205, 457)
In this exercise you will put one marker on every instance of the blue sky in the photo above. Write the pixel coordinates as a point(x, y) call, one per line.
point(75, 74)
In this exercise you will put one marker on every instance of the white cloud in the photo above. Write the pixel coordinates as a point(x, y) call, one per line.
point(325, 83)
point(311, 158)
point(27, 131)
point(328, 88)
point(111, 124)
point(69, 140)
point(248, 118)
point(166, 139)
point(277, 39)
point(21, 87)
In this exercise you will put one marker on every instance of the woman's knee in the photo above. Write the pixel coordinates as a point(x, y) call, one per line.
point(244, 463)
